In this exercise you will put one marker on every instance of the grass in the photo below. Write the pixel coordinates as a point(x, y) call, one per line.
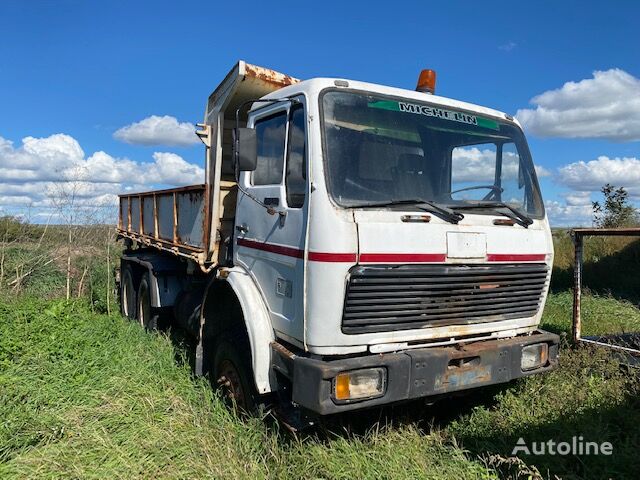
point(88, 395)
point(84, 394)
point(91, 396)
point(600, 314)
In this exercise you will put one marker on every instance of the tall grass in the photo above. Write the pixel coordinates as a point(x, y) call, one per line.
point(84, 394)
point(610, 265)
point(50, 261)
point(87, 395)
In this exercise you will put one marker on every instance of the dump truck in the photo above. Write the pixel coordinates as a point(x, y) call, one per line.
point(352, 245)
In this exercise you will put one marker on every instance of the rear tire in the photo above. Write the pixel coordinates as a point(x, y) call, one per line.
point(128, 294)
point(148, 316)
point(231, 373)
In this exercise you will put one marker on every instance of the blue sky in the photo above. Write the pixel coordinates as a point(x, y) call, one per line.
point(86, 69)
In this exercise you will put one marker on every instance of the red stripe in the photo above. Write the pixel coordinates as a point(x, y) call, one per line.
point(382, 257)
point(516, 257)
point(270, 247)
point(402, 257)
point(297, 253)
point(332, 257)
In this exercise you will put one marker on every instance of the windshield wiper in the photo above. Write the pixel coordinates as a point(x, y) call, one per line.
point(515, 215)
point(441, 211)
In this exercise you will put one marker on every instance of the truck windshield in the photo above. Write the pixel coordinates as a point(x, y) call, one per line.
point(382, 149)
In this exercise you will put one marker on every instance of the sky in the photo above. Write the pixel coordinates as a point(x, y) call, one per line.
point(98, 98)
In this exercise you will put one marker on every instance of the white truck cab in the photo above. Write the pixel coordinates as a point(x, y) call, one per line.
point(366, 244)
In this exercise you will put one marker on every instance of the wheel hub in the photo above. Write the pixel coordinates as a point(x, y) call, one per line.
point(229, 381)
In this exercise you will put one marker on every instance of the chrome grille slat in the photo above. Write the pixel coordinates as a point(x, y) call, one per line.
point(386, 297)
point(383, 305)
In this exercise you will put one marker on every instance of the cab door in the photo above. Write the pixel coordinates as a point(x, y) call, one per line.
point(270, 238)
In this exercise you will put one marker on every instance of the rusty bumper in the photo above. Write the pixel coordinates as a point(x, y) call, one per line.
point(418, 373)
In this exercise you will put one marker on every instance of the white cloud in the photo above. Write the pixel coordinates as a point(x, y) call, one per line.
point(507, 47)
point(592, 175)
point(577, 199)
point(584, 180)
point(471, 164)
point(173, 169)
point(542, 172)
point(26, 163)
point(40, 171)
point(156, 130)
point(606, 106)
point(565, 215)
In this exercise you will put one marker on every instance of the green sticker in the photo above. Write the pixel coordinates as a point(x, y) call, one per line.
point(429, 111)
point(385, 105)
point(486, 123)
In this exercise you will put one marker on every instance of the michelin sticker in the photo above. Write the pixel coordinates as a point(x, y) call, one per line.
point(435, 112)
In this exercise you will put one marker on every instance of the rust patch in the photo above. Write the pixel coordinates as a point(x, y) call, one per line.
point(282, 350)
point(269, 76)
point(460, 377)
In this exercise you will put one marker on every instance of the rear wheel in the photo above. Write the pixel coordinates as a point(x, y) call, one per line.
point(232, 374)
point(128, 294)
point(148, 316)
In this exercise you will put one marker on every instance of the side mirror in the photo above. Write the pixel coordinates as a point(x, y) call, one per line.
point(245, 149)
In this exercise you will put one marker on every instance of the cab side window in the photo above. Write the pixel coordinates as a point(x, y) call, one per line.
point(270, 133)
point(296, 174)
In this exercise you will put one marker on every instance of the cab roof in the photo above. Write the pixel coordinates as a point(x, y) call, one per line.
point(314, 86)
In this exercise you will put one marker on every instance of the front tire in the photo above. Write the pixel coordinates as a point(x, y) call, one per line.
point(232, 374)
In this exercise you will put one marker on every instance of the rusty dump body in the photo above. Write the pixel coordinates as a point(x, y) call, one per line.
point(194, 221)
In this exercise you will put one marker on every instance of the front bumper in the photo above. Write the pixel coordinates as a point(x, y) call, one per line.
point(412, 374)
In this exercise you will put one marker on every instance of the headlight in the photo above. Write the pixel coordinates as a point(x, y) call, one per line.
point(534, 356)
point(359, 384)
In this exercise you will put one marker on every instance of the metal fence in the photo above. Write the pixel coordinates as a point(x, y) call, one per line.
point(627, 345)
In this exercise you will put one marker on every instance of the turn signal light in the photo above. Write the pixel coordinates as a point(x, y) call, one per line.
point(534, 356)
point(359, 384)
point(427, 81)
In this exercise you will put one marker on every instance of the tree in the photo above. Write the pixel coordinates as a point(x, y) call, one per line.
point(86, 220)
point(616, 211)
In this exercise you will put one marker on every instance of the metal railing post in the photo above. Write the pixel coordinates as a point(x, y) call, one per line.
point(577, 286)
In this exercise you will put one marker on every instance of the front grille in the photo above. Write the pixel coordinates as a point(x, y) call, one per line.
point(383, 298)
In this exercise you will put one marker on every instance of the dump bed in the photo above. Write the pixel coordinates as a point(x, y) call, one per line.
point(194, 221)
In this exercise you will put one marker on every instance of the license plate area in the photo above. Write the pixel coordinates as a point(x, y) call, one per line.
point(455, 378)
point(448, 370)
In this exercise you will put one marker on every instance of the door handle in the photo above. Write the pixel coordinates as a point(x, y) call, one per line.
point(271, 201)
point(243, 229)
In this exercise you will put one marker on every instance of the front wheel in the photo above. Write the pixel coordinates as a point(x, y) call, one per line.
point(232, 374)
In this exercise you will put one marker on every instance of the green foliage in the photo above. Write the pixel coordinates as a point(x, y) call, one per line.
point(35, 263)
point(588, 396)
point(86, 395)
point(13, 229)
point(98, 284)
point(616, 210)
point(600, 314)
point(38, 276)
point(610, 265)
